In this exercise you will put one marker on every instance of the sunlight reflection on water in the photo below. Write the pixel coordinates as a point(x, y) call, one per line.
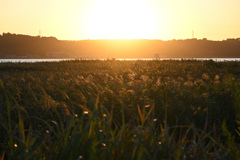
point(120, 59)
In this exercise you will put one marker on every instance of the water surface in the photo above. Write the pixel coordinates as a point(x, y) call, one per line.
point(120, 59)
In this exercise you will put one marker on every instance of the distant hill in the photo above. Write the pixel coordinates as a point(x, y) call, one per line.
point(24, 46)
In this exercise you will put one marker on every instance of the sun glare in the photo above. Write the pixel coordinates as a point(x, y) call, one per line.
point(121, 20)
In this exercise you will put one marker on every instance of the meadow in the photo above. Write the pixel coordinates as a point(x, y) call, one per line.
point(120, 110)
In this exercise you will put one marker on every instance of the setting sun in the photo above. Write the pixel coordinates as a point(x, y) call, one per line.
point(121, 20)
point(119, 79)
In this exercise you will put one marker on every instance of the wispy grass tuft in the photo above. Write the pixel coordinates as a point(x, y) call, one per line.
point(120, 110)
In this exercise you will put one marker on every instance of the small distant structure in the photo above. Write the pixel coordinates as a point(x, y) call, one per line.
point(157, 56)
point(39, 35)
point(192, 34)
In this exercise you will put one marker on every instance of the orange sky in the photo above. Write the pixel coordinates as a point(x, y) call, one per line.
point(124, 19)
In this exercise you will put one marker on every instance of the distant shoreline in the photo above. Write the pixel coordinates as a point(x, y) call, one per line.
point(13, 46)
point(118, 59)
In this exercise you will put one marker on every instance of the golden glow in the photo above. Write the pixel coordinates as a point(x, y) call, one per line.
point(123, 19)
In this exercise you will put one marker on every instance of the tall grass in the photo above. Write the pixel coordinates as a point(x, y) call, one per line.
point(120, 110)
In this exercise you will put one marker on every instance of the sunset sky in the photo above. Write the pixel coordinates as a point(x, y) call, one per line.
point(122, 19)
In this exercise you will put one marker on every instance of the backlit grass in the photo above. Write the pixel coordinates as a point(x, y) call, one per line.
point(120, 110)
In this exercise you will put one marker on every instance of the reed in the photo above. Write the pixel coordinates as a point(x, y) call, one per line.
point(120, 110)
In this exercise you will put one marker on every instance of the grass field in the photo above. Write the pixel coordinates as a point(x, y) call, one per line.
point(120, 110)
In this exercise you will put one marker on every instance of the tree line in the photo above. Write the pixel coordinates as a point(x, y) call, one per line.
point(25, 46)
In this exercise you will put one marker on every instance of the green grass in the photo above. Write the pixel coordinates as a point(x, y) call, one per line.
point(120, 110)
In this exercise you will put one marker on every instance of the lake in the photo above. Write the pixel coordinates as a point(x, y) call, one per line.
point(120, 59)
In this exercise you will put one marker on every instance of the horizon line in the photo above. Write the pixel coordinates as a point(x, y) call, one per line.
point(118, 38)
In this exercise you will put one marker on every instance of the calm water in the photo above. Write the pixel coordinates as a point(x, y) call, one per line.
point(120, 59)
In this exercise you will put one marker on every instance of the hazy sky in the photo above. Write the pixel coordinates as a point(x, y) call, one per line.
point(101, 19)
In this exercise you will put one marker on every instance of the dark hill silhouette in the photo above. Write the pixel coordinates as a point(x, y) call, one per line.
point(24, 46)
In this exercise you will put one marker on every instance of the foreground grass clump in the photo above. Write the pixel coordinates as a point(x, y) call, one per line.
point(120, 110)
